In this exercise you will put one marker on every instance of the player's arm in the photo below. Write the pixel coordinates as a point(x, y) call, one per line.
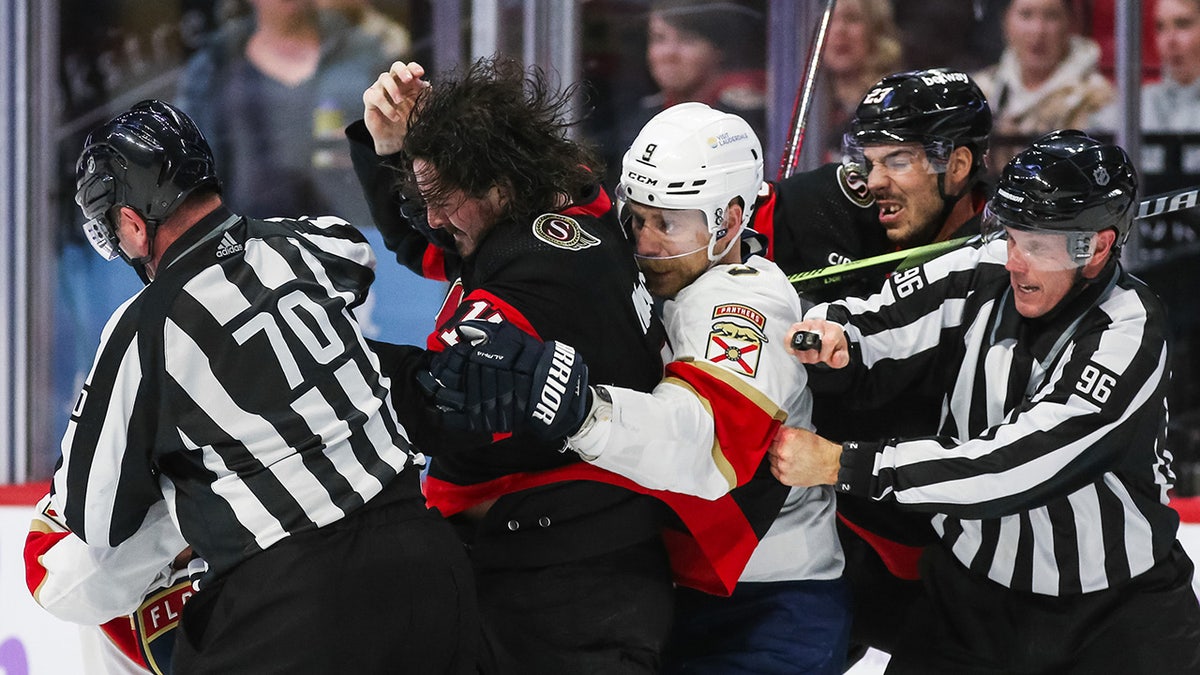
point(706, 427)
point(881, 346)
point(376, 150)
point(500, 379)
point(92, 584)
point(701, 431)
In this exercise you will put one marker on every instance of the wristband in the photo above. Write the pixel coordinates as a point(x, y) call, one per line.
point(857, 473)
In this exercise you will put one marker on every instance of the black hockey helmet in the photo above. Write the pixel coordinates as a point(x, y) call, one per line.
point(924, 106)
point(149, 158)
point(1067, 181)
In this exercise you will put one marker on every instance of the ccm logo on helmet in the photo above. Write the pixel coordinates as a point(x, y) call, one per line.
point(645, 180)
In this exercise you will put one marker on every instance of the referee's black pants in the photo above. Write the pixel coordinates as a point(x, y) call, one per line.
point(388, 589)
point(968, 625)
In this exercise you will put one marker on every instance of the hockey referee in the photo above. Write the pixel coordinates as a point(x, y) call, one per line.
point(1049, 478)
point(237, 387)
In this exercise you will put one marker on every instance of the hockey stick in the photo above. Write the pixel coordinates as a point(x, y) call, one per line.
point(1165, 203)
point(791, 153)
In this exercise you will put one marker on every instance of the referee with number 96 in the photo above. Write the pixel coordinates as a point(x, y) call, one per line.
point(1048, 480)
point(237, 387)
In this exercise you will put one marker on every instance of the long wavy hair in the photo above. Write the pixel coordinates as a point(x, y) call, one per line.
point(496, 124)
point(886, 54)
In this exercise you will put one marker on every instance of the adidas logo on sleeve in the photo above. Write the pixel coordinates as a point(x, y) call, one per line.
point(228, 246)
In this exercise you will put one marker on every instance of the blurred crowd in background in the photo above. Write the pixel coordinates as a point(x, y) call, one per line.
point(273, 83)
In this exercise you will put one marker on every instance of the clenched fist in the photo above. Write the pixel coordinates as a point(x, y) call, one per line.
point(800, 458)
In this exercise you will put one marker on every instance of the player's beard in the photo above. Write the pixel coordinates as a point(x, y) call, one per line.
point(666, 277)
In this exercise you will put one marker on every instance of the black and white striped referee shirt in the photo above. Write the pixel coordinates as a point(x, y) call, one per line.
point(1050, 473)
point(238, 387)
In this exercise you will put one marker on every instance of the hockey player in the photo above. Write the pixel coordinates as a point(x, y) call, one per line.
point(912, 175)
point(1047, 483)
point(297, 486)
point(133, 594)
point(912, 172)
point(688, 182)
point(572, 574)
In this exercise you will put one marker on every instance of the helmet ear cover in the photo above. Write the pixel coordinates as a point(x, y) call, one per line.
point(691, 156)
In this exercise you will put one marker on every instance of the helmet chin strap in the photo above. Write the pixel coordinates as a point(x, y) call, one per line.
point(948, 203)
point(139, 263)
point(713, 256)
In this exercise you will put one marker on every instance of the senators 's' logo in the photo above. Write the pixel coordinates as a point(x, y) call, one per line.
point(854, 186)
point(562, 232)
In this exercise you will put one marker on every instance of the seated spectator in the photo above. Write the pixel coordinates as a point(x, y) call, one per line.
point(862, 46)
point(1173, 104)
point(1047, 77)
point(706, 51)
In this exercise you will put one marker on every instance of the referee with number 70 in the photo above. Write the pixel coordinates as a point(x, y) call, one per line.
point(237, 387)
point(1048, 481)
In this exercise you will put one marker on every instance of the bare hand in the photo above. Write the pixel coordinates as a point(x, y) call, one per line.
point(388, 103)
point(835, 350)
point(800, 458)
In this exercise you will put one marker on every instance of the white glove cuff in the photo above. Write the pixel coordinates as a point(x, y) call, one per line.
point(589, 441)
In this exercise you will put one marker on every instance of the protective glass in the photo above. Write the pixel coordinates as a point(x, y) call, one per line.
point(897, 159)
point(1041, 249)
point(671, 233)
point(100, 235)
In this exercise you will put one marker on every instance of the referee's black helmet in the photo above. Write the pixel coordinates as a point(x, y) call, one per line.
point(149, 158)
point(1068, 181)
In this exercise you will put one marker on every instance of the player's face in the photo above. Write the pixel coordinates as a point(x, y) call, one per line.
point(1177, 36)
point(905, 187)
point(1040, 269)
point(467, 219)
point(680, 61)
point(671, 246)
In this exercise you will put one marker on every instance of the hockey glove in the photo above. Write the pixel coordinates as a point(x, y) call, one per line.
point(500, 379)
point(560, 398)
point(482, 383)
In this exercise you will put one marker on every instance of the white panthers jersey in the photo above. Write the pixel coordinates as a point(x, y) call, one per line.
point(696, 432)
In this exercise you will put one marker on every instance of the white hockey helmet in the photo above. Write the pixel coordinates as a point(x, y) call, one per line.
point(690, 156)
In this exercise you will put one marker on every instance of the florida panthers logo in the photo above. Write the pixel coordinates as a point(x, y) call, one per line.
point(734, 344)
point(562, 232)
